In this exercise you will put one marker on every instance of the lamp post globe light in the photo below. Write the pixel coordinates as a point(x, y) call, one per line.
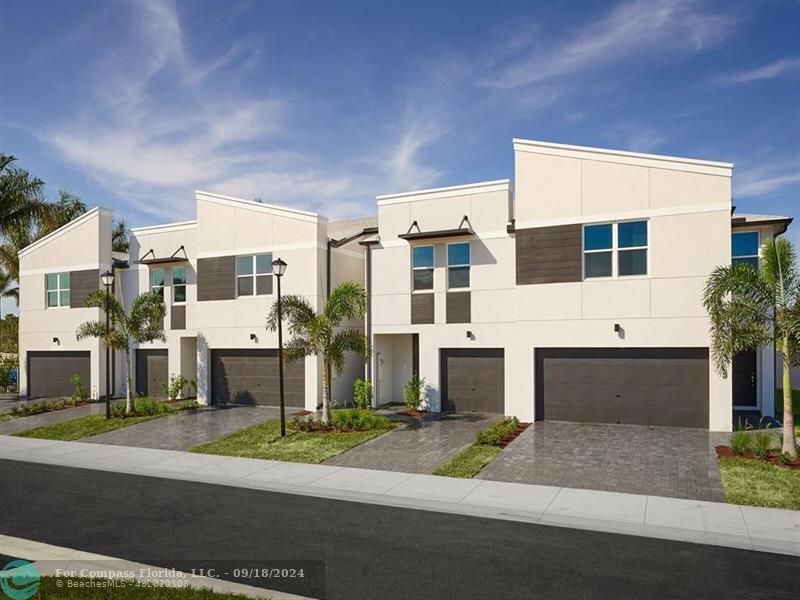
point(108, 280)
point(278, 269)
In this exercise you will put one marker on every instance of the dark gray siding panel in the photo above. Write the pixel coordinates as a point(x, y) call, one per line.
point(49, 373)
point(152, 372)
point(458, 307)
point(549, 254)
point(216, 278)
point(473, 380)
point(251, 377)
point(178, 317)
point(81, 284)
point(422, 308)
point(640, 386)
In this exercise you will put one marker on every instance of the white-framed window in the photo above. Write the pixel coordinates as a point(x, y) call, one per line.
point(745, 247)
point(57, 285)
point(254, 275)
point(422, 259)
point(178, 285)
point(458, 263)
point(157, 281)
point(615, 249)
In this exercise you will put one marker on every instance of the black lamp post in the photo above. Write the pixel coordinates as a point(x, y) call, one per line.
point(108, 280)
point(278, 269)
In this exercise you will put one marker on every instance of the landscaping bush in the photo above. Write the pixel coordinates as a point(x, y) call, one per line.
point(358, 420)
point(412, 392)
point(176, 384)
point(35, 408)
point(493, 435)
point(762, 443)
point(79, 394)
point(740, 442)
point(362, 394)
point(7, 366)
point(142, 407)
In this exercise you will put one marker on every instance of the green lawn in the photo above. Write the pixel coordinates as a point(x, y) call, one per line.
point(83, 427)
point(755, 483)
point(469, 462)
point(79, 590)
point(264, 441)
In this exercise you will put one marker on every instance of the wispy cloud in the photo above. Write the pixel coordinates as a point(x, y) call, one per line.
point(628, 31)
point(785, 66)
point(770, 178)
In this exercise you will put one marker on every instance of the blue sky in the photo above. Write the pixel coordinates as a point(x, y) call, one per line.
point(323, 105)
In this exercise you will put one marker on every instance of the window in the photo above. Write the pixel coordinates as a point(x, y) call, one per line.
point(178, 285)
point(458, 256)
point(254, 275)
point(157, 281)
point(57, 289)
point(422, 267)
point(615, 249)
point(744, 248)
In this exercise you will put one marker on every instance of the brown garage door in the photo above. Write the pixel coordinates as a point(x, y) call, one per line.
point(152, 372)
point(473, 380)
point(251, 377)
point(49, 373)
point(642, 386)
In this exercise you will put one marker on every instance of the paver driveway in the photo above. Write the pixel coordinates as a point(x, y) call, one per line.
point(659, 461)
point(189, 428)
point(417, 447)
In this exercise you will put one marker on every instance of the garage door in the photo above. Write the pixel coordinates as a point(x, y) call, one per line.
point(49, 373)
point(473, 380)
point(642, 386)
point(152, 372)
point(251, 377)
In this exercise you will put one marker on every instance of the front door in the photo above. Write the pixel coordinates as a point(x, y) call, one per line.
point(744, 379)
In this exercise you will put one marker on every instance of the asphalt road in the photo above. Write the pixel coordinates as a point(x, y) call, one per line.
point(370, 552)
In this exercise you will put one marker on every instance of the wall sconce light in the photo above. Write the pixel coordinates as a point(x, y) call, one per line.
point(470, 335)
point(617, 328)
point(253, 337)
point(56, 340)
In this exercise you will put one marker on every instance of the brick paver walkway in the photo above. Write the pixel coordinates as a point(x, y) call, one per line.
point(417, 447)
point(659, 461)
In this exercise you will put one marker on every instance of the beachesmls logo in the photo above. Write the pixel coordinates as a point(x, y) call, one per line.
point(19, 580)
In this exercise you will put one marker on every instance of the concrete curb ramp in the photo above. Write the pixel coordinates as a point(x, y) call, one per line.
point(719, 524)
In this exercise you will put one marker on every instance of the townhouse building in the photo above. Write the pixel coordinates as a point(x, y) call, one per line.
point(574, 293)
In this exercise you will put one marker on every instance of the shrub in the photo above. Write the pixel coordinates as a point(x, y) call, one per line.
point(412, 392)
point(762, 443)
point(176, 385)
point(785, 458)
point(493, 435)
point(362, 394)
point(358, 420)
point(8, 365)
point(142, 407)
point(79, 392)
point(740, 442)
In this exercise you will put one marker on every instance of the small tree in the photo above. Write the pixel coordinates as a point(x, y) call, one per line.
point(322, 334)
point(144, 322)
point(412, 392)
point(751, 309)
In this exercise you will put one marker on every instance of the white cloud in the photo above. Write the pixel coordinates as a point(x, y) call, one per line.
point(779, 68)
point(762, 180)
point(628, 31)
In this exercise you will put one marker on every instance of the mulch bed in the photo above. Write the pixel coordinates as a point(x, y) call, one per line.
point(507, 439)
point(773, 459)
point(417, 414)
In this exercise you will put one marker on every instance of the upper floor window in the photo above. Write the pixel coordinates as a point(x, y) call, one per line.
point(57, 289)
point(422, 267)
point(744, 248)
point(615, 249)
point(178, 285)
point(458, 262)
point(254, 275)
point(157, 281)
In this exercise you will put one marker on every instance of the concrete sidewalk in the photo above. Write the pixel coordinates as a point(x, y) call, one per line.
point(750, 528)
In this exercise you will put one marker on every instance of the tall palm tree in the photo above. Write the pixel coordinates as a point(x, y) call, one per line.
point(119, 237)
point(755, 308)
point(21, 197)
point(143, 322)
point(322, 334)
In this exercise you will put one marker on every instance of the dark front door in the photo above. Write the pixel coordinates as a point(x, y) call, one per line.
point(744, 379)
point(251, 377)
point(152, 373)
point(50, 373)
point(640, 386)
point(473, 380)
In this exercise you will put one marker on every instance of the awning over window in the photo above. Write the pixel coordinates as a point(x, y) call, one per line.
point(175, 258)
point(464, 229)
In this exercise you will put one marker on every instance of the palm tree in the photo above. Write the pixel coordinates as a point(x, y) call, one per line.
point(20, 195)
point(322, 334)
point(753, 308)
point(144, 322)
point(119, 237)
